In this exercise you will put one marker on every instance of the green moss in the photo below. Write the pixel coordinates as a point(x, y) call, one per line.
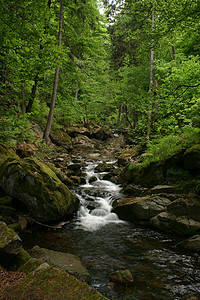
point(19, 260)
point(48, 283)
point(30, 265)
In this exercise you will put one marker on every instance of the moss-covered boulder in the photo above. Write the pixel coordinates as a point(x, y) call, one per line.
point(49, 283)
point(144, 175)
point(140, 208)
point(20, 259)
point(192, 158)
point(64, 261)
point(10, 244)
point(37, 186)
point(123, 277)
point(30, 265)
point(61, 139)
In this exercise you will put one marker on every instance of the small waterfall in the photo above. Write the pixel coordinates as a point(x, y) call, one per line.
point(96, 199)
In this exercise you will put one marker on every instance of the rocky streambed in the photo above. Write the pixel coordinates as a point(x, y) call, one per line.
point(92, 208)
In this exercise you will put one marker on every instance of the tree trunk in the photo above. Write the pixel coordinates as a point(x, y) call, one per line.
point(53, 99)
point(151, 76)
point(33, 92)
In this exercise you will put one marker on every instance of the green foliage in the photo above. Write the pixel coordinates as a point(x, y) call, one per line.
point(15, 128)
point(164, 147)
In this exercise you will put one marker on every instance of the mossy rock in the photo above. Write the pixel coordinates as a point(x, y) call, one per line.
point(61, 139)
point(7, 210)
point(192, 158)
point(10, 244)
point(21, 258)
point(145, 175)
point(30, 265)
point(49, 283)
point(123, 277)
point(64, 261)
point(37, 186)
point(63, 177)
point(15, 227)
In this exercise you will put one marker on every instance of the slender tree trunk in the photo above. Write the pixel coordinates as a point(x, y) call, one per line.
point(53, 99)
point(76, 93)
point(119, 113)
point(151, 76)
point(33, 92)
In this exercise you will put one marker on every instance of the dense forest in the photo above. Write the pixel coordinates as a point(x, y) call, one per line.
point(135, 67)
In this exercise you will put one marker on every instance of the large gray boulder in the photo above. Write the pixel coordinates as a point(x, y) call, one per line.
point(64, 261)
point(140, 208)
point(36, 185)
point(10, 244)
point(182, 217)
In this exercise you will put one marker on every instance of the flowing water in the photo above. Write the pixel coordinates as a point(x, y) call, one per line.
point(106, 244)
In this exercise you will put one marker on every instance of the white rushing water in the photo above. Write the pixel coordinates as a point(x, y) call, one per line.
point(99, 194)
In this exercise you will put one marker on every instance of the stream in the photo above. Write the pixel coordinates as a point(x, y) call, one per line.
point(106, 244)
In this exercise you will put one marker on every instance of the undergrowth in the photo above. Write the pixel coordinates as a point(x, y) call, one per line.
point(164, 147)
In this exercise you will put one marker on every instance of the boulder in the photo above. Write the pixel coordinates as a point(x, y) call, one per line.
point(30, 265)
point(145, 175)
point(192, 244)
point(179, 225)
point(25, 150)
point(82, 141)
point(64, 261)
point(20, 259)
point(101, 133)
point(140, 208)
point(192, 158)
point(46, 282)
point(10, 244)
point(61, 139)
point(126, 156)
point(37, 186)
point(123, 277)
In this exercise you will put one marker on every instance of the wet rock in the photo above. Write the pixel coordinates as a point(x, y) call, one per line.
point(192, 243)
point(140, 208)
point(61, 139)
point(37, 186)
point(46, 282)
point(123, 277)
point(179, 225)
point(10, 244)
point(64, 261)
point(22, 223)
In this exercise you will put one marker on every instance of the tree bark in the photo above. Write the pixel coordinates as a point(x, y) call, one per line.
point(53, 99)
point(32, 97)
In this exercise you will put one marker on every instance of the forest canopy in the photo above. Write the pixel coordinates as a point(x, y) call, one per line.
point(136, 66)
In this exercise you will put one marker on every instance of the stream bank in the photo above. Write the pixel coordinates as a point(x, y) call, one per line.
point(116, 245)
